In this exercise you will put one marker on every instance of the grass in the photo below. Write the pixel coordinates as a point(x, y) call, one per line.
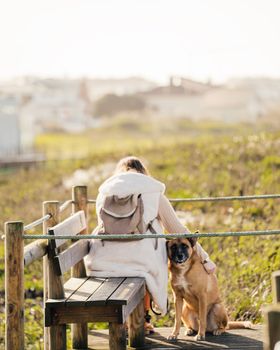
point(193, 160)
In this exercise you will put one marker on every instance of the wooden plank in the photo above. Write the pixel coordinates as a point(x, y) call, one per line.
point(102, 294)
point(71, 256)
point(72, 285)
point(80, 314)
point(69, 288)
point(50, 303)
point(35, 251)
point(237, 339)
point(68, 227)
point(126, 291)
point(85, 290)
point(133, 302)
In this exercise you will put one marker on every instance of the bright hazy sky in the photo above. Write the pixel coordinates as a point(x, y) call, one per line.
point(201, 39)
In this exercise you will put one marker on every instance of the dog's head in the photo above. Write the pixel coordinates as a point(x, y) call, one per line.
point(180, 250)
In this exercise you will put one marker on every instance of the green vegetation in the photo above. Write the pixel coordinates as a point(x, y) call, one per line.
point(193, 160)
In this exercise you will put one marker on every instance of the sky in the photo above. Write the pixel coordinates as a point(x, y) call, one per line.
point(200, 39)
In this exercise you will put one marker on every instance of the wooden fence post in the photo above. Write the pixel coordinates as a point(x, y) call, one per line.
point(272, 315)
point(54, 336)
point(276, 287)
point(80, 331)
point(14, 286)
point(272, 326)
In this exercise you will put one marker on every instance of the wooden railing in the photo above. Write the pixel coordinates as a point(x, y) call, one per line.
point(17, 257)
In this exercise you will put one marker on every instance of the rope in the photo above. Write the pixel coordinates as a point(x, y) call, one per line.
point(217, 199)
point(65, 205)
point(169, 235)
point(37, 222)
point(232, 198)
point(47, 216)
point(202, 199)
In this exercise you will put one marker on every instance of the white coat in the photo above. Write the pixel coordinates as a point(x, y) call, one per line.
point(136, 258)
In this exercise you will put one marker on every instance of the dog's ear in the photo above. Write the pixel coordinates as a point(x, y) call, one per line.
point(192, 241)
point(167, 250)
point(166, 244)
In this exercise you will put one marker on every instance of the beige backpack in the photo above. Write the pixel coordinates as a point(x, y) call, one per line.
point(123, 216)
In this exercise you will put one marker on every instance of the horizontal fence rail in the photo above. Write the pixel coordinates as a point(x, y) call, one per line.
point(217, 199)
point(66, 204)
point(46, 217)
point(230, 198)
point(37, 222)
point(38, 248)
point(167, 235)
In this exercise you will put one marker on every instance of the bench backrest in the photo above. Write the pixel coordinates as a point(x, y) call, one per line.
point(71, 226)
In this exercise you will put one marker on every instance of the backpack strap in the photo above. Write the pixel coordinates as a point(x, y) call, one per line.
point(150, 227)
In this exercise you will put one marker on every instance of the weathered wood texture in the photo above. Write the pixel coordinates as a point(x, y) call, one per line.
point(110, 300)
point(242, 339)
point(117, 338)
point(71, 256)
point(68, 227)
point(55, 336)
point(272, 315)
point(80, 202)
point(14, 286)
point(93, 299)
point(276, 286)
point(136, 332)
point(71, 314)
point(35, 251)
point(272, 321)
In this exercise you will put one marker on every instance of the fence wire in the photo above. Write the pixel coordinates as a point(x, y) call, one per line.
point(167, 235)
point(173, 200)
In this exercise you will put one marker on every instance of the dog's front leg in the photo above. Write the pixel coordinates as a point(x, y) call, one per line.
point(178, 314)
point(202, 314)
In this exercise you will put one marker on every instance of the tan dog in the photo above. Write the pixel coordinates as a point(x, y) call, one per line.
point(196, 293)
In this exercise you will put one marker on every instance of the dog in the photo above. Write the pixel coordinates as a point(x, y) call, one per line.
point(196, 294)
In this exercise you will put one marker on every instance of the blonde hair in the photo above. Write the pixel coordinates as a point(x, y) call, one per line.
point(131, 164)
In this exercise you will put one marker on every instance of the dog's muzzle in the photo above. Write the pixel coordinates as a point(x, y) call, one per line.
point(180, 258)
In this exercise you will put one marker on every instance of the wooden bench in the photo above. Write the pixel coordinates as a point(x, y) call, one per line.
point(85, 299)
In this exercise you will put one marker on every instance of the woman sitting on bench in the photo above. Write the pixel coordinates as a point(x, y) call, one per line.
point(144, 197)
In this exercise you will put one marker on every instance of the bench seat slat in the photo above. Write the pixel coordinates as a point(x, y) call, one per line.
point(72, 285)
point(103, 293)
point(71, 256)
point(80, 295)
point(126, 291)
point(69, 288)
point(69, 227)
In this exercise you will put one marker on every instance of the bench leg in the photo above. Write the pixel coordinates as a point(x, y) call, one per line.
point(79, 336)
point(117, 336)
point(57, 336)
point(136, 330)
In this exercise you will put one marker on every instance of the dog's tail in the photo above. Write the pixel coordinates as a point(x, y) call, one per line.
point(239, 325)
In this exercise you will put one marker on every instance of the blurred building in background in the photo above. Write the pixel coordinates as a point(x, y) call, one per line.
point(29, 105)
point(16, 133)
point(10, 130)
point(244, 100)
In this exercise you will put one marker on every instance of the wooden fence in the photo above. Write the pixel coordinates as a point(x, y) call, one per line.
point(17, 256)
